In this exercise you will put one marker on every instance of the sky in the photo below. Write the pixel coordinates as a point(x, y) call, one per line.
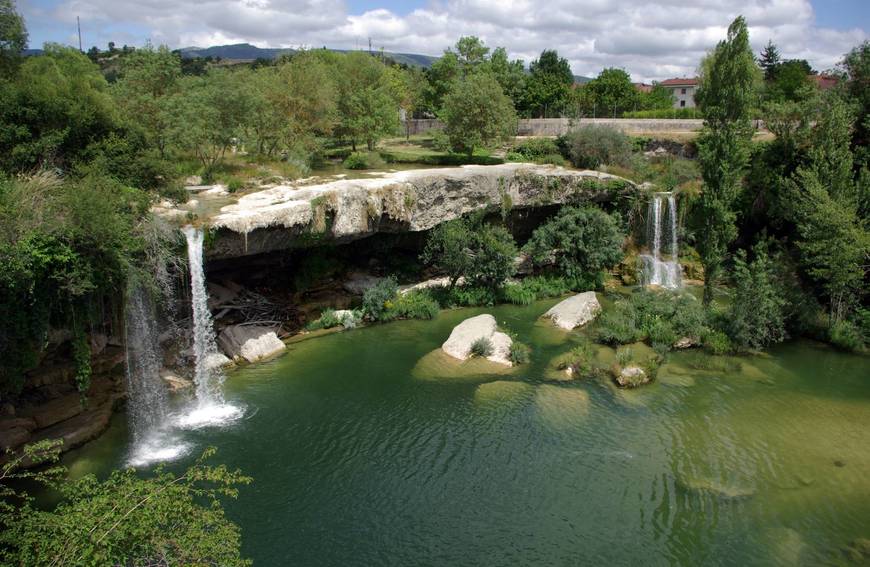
point(651, 39)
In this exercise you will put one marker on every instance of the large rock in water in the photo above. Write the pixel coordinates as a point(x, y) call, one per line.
point(458, 344)
point(575, 311)
point(250, 342)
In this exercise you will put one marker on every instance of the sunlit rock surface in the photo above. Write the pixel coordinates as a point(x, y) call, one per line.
point(296, 215)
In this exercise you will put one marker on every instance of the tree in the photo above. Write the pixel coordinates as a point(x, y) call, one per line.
point(13, 35)
point(511, 75)
point(791, 81)
point(477, 113)
point(481, 253)
point(548, 85)
point(303, 96)
point(440, 78)
point(658, 98)
point(211, 115)
point(768, 60)
point(757, 317)
point(56, 105)
point(580, 241)
point(612, 92)
point(406, 88)
point(367, 110)
point(149, 78)
point(162, 519)
point(471, 51)
point(726, 96)
point(856, 68)
point(822, 198)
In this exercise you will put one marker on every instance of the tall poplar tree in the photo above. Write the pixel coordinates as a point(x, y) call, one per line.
point(726, 96)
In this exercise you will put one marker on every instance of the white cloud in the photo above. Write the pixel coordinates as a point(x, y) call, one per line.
point(652, 39)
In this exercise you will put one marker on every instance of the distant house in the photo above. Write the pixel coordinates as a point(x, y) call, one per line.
point(683, 90)
point(643, 87)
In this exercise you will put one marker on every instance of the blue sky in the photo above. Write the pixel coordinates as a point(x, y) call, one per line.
point(652, 39)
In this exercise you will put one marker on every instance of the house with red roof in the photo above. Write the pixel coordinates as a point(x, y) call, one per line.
point(683, 89)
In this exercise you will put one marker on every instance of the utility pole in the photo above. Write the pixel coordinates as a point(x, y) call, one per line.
point(79, 27)
point(370, 46)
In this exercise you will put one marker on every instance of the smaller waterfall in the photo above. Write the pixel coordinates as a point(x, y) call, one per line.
point(147, 399)
point(658, 268)
point(147, 403)
point(208, 375)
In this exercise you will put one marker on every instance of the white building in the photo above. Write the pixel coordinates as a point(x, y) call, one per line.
point(683, 90)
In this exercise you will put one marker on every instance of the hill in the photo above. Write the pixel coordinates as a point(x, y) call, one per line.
point(246, 51)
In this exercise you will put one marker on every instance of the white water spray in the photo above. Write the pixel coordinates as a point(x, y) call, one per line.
point(208, 376)
point(656, 268)
point(147, 400)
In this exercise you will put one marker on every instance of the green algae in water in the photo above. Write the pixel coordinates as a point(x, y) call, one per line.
point(357, 462)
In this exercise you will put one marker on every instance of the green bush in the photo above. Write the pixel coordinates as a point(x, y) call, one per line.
point(481, 253)
point(514, 156)
point(757, 317)
point(552, 159)
point(482, 347)
point(591, 146)
point(846, 335)
point(533, 288)
point(440, 141)
point(581, 241)
point(416, 304)
point(534, 149)
point(520, 353)
point(464, 296)
point(363, 160)
point(664, 113)
point(329, 319)
point(618, 326)
point(377, 300)
point(662, 335)
point(717, 342)
point(234, 184)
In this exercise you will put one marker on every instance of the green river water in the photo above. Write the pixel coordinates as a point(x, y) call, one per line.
point(366, 451)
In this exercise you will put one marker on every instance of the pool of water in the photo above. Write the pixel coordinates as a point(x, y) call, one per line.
point(366, 451)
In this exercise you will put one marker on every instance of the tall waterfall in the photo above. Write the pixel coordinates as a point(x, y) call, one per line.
point(658, 268)
point(208, 375)
point(147, 404)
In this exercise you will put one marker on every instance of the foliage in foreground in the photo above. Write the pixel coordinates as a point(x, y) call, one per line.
point(164, 519)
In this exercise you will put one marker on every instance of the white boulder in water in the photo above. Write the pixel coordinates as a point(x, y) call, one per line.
point(464, 335)
point(575, 311)
point(251, 343)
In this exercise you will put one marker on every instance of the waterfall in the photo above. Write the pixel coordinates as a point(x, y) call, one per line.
point(208, 376)
point(656, 268)
point(147, 403)
point(147, 399)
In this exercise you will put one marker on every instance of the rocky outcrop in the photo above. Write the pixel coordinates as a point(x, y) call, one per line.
point(250, 342)
point(575, 311)
point(464, 335)
point(293, 216)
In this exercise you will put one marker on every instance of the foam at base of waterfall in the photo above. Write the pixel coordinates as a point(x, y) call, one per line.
point(209, 415)
point(661, 273)
point(160, 446)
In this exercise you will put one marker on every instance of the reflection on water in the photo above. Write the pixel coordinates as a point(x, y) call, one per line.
point(357, 461)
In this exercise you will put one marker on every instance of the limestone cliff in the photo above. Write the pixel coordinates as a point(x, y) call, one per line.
point(293, 216)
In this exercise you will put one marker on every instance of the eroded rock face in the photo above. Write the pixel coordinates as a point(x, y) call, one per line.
point(251, 343)
point(575, 311)
point(292, 216)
